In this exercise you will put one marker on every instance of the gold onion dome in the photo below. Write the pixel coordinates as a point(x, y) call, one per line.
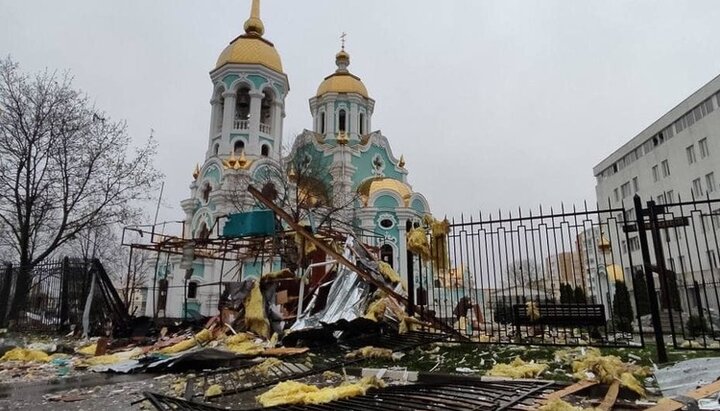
point(251, 47)
point(342, 81)
point(370, 187)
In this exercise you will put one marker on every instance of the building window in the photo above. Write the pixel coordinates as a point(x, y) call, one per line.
point(655, 173)
point(206, 192)
point(625, 190)
point(665, 168)
point(704, 149)
point(710, 182)
point(690, 151)
point(661, 199)
point(265, 150)
point(636, 186)
point(386, 223)
point(238, 147)
point(617, 194)
point(192, 289)
point(362, 123)
point(341, 120)
point(386, 254)
point(712, 259)
point(322, 122)
point(697, 187)
point(670, 196)
point(216, 148)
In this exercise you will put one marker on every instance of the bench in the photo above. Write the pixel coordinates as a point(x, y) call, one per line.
point(561, 315)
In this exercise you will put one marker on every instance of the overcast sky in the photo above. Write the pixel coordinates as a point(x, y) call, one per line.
point(495, 104)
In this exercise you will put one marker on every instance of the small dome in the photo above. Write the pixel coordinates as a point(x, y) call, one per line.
point(342, 81)
point(371, 186)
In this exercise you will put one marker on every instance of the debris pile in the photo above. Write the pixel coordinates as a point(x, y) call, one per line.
point(293, 392)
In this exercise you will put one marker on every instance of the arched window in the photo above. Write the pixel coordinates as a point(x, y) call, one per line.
point(216, 148)
point(242, 105)
point(238, 147)
point(362, 123)
point(386, 254)
point(206, 192)
point(192, 289)
point(219, 115)
point(204, 232)
point(341, 120)
point(266, 110)
point(265, 150)
point(322, 122)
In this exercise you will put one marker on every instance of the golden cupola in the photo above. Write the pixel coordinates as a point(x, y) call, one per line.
point(251, 47)
point(342, 81)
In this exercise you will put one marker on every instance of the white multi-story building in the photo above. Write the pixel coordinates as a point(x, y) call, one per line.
point(675, 159)
point(677, 156)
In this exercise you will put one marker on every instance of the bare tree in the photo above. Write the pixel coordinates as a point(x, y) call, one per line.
point(65, 167)
point(139, 271)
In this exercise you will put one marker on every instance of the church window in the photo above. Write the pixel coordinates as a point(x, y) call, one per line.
point(216, 148)
point(322, 122)
point(192, 289)
point(239, 147)
point(341, 120)
point(266, 108)
point(242, 105)
point(386, 254)
point(206, 192)
point(362, 123)
point(386, 223)
point(265, 150)
point(204, 232)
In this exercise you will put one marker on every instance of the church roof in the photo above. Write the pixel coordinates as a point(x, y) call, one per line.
point(371, 186)
point(342, 81)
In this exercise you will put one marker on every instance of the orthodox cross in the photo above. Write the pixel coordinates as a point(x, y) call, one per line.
point(342, 39)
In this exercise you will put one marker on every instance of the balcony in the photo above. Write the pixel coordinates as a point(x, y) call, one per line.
point(265, 128)
point(239, 124)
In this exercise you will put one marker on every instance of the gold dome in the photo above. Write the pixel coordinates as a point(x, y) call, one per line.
point(372, 186)
point(251, 50)
point(251, 47)
point(342, 81)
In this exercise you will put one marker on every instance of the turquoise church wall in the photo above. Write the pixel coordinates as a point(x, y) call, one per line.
point(386, 201)
point(364, 166)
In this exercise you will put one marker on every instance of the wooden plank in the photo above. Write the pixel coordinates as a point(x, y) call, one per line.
point(570, 389)
point(609, 401)
point(702, 392)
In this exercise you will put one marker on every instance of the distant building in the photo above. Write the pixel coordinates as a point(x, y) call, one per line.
point(676, 158)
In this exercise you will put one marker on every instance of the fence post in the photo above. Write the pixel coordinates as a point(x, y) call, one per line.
point(5, 286)
point(64, 279)
point(661, 268)
point(650, 280)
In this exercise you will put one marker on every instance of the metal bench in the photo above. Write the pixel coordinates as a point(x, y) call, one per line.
point(562, 315)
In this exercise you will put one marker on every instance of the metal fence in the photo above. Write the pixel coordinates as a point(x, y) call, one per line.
point(683, 257)
point(58, 295)
point(536, 278)
point(602, 277)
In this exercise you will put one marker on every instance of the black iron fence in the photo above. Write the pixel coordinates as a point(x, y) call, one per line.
point(683, 268)
point(579, 276)
point(60, 292)
point(536, 278)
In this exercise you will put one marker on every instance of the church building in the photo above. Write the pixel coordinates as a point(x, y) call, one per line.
point(364, 182)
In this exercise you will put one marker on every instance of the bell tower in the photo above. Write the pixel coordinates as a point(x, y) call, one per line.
point(248, 99)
